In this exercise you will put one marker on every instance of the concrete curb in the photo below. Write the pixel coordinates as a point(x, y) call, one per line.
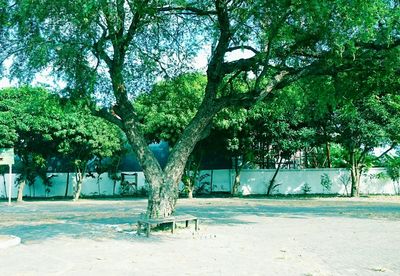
point(7, 241)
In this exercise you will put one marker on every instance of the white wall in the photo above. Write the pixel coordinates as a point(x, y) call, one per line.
point(374, 181)
point(252, 182)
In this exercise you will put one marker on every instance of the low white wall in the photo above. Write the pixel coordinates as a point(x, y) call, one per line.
point(374, 181)
point(59, 185)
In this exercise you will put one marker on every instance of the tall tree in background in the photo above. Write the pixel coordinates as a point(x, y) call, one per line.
point(358, 110)
point(366, 119)
point(43, 128)
point(236, 132)
point(109, 47)
point(34, 116)
point(84, 138)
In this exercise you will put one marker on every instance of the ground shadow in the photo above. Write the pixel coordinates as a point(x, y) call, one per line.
point(36, 221)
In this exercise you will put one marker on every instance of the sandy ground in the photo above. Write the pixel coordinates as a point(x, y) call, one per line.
point(236, 237)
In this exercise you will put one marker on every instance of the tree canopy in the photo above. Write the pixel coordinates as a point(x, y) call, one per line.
point(43, 127)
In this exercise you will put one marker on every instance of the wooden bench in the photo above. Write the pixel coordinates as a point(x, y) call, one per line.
point(147, 223)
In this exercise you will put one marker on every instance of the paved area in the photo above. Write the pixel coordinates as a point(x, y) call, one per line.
point(236, 237)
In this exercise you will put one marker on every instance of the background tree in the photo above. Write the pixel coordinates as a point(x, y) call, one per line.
point(85, 138)
point(392, 164)
point(235, 130)
point(34, 115)
point(360, 115)
point(280, 130)
point(44, 128)
point(361, 128)
point(113, 166)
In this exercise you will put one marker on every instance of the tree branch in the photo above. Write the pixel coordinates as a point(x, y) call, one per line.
point(255, 95)
point(379, 47)
point(110, 117)
point(243, 64)
point(243, 47)
point(386, 151)
point(132, 29)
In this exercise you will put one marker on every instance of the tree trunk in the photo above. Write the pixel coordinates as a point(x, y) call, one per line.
point(98, 184)
point(162, 199)
point(80, 174)
point(354, 184)
point(358, 182)
point(114, 185)
point(67, 186)
point(188, 183)
point(272, 184)
point(190, 192)
point(77, 190)
point(163, 184)
point(328, 154)
point(355, 176)
point(21, 187)
point(236, 183)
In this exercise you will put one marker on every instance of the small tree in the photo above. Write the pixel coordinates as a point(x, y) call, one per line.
point(83, 138)
point(35, 116)
point(359, 112)
point(235, 131)
point(326, 182)
point(392, 164)
point(113, 166)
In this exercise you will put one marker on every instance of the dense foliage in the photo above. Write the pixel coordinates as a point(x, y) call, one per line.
point(42, 128)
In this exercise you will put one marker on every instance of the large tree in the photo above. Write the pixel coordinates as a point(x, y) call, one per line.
point(109, 47)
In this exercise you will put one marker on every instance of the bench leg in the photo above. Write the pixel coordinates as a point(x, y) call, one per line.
point(187, 224)
point(196, 224)
point(139, 227)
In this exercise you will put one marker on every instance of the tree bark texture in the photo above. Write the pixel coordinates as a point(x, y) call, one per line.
point(162, 199)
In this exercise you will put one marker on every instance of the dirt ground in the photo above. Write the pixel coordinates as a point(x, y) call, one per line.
point(328, 236)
